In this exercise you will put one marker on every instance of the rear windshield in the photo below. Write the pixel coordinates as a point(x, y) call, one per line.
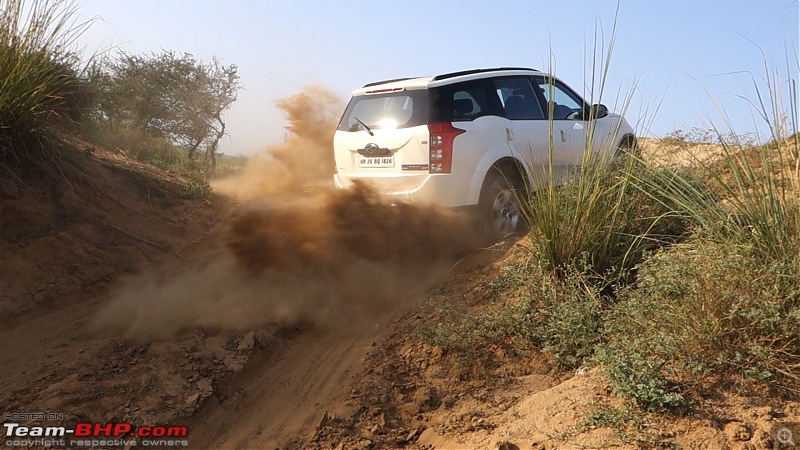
point(392, 110)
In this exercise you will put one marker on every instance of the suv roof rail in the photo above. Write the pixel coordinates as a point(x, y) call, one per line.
point(473, 71)
point(375, 83)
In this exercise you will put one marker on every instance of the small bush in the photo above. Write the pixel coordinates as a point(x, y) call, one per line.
point(627, 422)
point(150, 148)
point(526, 308)
point(137, 144)
point(683, 138)
point(197, 188)
point(480, 341)
point(230, 165)
point(480, 338)
point(177, 161)
point(704, 312)
point(570, 320)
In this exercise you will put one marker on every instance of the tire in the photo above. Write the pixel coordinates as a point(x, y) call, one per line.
point(622, 154)
point(500, 211)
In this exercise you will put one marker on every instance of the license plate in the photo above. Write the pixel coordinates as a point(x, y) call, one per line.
point(376, 161)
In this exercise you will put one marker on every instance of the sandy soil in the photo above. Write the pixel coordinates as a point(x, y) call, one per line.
point(64, 247)
point(78, 249)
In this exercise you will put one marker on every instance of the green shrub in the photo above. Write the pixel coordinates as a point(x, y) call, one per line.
point(704, 312)
point(628, 423)
point(197, 188)
point(524, 308)
point(230, 165)
point(196, 169)
point(480, 341)
point(570, 320)
point(501, 326)
point(151, 148)
point(682, 138)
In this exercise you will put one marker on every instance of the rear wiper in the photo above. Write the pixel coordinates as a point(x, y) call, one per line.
point(364, 125)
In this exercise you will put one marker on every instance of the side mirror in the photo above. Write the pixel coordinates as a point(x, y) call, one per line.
point(597, 111)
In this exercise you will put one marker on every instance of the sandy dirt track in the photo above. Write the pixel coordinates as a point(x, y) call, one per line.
point(298, 378)
point(286, 381)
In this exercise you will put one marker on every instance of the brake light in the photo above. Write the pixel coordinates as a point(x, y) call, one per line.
point(441, 146)
point(384, 91)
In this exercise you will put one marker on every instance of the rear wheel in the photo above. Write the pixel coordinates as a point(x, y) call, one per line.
point(500, 209)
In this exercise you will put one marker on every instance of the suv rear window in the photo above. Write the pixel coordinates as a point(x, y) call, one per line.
point(392, 110)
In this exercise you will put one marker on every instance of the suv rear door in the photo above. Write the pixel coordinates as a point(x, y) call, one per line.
point(383, 133)
point(469, 106)
point(530, 130)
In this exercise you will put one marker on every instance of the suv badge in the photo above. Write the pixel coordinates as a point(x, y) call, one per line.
point(372, 149)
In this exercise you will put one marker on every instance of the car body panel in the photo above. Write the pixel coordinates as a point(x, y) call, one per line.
point(406, 148)
point(486, 140)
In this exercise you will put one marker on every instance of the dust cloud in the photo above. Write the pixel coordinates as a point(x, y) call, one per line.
point(317, 236)
point(296, 250)
point(305, 157)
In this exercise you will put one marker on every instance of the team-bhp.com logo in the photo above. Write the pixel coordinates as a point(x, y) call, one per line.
point(89, 434)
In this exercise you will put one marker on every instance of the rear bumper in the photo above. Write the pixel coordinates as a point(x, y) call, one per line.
point(446, 189)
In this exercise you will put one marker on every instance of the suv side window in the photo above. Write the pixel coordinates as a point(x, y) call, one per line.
point(518, 99)
point(469, 101)
point(460, 102)
point(560, 100)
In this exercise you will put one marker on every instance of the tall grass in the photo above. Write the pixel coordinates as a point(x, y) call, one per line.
point(755, 201)
point(596, 215)
point(724, 306)
point(40, 87)
point(599, 218)
point(756, 186)
point(675, 280)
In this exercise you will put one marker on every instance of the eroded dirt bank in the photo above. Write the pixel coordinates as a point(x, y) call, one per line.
point(283, 319)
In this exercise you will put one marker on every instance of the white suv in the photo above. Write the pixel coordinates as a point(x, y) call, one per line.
point(471, 138)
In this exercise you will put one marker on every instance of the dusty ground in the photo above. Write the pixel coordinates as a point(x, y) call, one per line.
point(115, 293)
point(410, 396)
point(67, 237)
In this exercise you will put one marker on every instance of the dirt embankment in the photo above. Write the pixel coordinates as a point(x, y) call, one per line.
point(408, 394)
point(69, 233)
point(289, 320)
point(126, 299)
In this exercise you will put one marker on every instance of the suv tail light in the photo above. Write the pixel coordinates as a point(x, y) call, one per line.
point(441, 146)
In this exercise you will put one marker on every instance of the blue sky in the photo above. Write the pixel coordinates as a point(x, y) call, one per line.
point(679, 62)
